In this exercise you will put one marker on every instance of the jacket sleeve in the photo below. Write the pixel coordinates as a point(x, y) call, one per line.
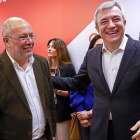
point(78, 82)
point(67, 70)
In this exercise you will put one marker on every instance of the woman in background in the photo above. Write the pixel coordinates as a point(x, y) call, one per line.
point(61, 65)
point(83, 100)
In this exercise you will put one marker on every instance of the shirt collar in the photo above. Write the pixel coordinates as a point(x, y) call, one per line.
point(121, 47)
point(16, 65)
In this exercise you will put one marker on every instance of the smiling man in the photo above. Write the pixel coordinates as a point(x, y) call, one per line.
point(114, 70)
point(27, 109)
point(110, 23)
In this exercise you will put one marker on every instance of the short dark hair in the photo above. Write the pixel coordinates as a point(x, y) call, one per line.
point(94, 39)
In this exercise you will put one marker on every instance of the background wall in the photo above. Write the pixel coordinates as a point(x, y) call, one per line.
point(64, 19)
point(70, 20)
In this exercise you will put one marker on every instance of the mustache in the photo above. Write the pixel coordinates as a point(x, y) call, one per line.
point(29, 47)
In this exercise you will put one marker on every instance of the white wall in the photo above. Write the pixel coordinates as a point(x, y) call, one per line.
point(132, 14)
point(79, 46)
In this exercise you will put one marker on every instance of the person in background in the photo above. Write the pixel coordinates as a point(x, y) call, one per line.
point(61, 65)
point(27, 109)
point(83, 100)
point(115, 76)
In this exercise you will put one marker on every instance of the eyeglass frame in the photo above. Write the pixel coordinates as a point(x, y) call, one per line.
point(22, 39)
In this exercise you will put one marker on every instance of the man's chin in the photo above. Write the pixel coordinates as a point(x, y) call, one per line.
point(28, 55)
point(113, 40)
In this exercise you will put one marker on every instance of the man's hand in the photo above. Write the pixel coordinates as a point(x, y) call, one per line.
point(137, 134)
point(55, 91)
point(85, 123)
point(82, 115)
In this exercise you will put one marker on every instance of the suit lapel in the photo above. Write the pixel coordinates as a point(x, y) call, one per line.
point(39, 80)
point(126, 59)
point(10, 72)
point(100, 68)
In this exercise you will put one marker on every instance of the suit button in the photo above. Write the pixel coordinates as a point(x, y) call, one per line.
point(30, 117)
point(30, 133)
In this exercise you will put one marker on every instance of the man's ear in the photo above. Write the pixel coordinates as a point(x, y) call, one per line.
point(6, 42)
point(96, 27)
point(124, 22)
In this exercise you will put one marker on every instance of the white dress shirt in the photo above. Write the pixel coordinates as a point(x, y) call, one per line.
point(28, 83)
point(111, 63)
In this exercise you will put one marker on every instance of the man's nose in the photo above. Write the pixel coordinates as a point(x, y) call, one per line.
point(111, 24)
point(29, 40)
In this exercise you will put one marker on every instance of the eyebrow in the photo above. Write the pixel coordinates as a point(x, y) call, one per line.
point(113, 17)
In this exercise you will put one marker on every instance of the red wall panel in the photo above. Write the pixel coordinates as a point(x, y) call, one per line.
point(64, 19)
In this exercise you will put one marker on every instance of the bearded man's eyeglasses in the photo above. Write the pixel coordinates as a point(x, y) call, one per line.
point(24, 38)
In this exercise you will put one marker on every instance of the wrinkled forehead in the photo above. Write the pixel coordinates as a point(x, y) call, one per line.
point(21, 27)
point(109, 12)
point(15, 24)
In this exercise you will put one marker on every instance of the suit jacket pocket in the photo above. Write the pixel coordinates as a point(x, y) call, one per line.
point(134, 68)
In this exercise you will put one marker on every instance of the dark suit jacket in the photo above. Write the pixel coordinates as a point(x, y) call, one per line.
point(15, 114)
point(123, 102)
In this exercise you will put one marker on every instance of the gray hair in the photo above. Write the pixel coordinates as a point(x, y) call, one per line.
point(107, 5)
point(8, 25)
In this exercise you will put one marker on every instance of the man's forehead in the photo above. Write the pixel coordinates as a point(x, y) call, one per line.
point(22, 29)
point(19, 23)
point(113, 11)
